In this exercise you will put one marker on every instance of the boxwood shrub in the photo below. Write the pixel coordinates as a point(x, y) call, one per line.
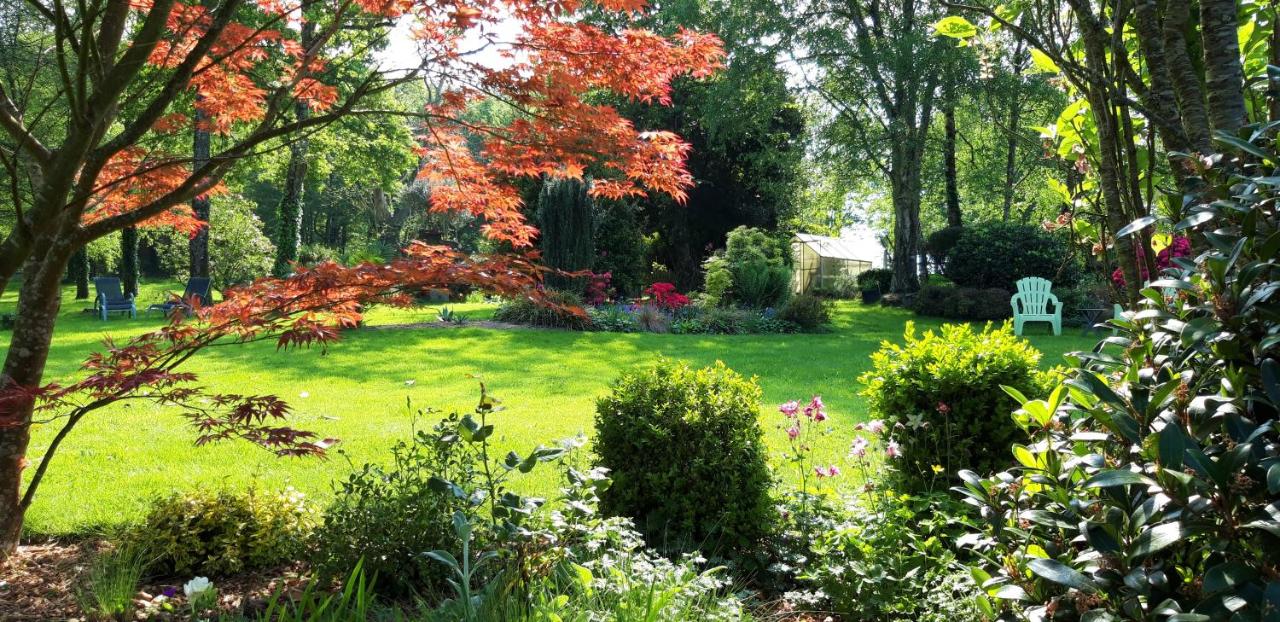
point(940, 395)
point(687, 456)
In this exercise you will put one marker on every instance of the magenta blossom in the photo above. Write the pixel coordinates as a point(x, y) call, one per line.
point(829, 471)
point(793, 432)
point(821, 415)
point(943, 408)
point(893, 450)
point(789, 409)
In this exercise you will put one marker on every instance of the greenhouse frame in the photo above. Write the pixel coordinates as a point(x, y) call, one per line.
point(824, 263)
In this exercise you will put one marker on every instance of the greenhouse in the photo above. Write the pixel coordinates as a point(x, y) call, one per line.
point(826, 263)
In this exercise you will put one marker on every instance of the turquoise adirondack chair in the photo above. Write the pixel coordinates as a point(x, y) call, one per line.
point(1031, 304)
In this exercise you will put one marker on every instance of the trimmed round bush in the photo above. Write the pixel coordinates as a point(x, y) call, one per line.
point(687, 457)
point(997, 254)
point(940, 395)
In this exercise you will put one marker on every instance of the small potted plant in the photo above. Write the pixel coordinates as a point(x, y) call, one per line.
point(870, 292)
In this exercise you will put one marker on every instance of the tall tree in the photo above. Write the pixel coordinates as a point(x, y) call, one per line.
point(124, 73)
point(129, 260)
point(198, 247)
point(289, 223)
point(566, 226)
point(881, 72)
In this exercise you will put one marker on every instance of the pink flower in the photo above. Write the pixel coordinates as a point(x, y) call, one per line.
point(793, 432)
point(859, 447)
point(821, 415)
point(943, 408)
point(789, 409)
point(830, 471)
point(875, 426)
point(893, 450)
point(816, 403)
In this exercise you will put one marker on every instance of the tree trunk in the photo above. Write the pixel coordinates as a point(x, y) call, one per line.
point(198, 247)
point(39, 299)
point(289, 231)
point(1223, 75)
point(1182, 70)
point(1011, 154)
point(80, 273)
point(906, 216)
point(954, 217)
point(129, 260)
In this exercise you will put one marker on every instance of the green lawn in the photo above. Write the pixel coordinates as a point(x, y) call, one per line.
point(548, 380)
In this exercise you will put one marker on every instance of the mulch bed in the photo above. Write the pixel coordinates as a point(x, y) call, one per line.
point(40, 582)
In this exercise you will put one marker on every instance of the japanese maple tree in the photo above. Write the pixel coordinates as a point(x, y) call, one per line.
point(96, 142)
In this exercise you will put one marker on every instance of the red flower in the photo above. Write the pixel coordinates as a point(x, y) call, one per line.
point(665, 296)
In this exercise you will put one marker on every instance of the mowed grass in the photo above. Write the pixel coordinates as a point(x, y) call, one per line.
point(119, 458)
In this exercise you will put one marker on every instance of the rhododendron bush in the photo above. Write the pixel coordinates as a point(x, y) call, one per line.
point(135, 79)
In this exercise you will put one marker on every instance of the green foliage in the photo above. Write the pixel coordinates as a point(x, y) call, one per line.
point(807, 311)
point(997, 254)
point(561, 309)
point(620, 247)
point(887, 558)
point(940, 395)
point(1149, 481)
point(565, 225)
point(389, 516)
point(439, 483)
point(731, 321)
point(687, 457)
point(222, 533)
point(613, 318)
point(717, 282)
point(752, 271)
point(962, 303)
point(317, 604)
point(842, 287)
point(238, 250)
point(939, 243)
point(875, 279)
point(112, 583)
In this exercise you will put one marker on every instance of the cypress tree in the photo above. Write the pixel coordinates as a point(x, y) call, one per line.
point(566, 221)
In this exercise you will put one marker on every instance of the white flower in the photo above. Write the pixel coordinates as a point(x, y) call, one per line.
point(196, 586)
point(304, 395)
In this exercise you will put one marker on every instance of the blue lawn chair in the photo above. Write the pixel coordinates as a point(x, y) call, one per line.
point(198, 290)
point(111, 298)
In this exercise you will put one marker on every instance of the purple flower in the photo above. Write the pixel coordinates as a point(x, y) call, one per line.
point(821, 415)
point(943, 408)
point(793, 432)
point(169, 591)
point(789, 409)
